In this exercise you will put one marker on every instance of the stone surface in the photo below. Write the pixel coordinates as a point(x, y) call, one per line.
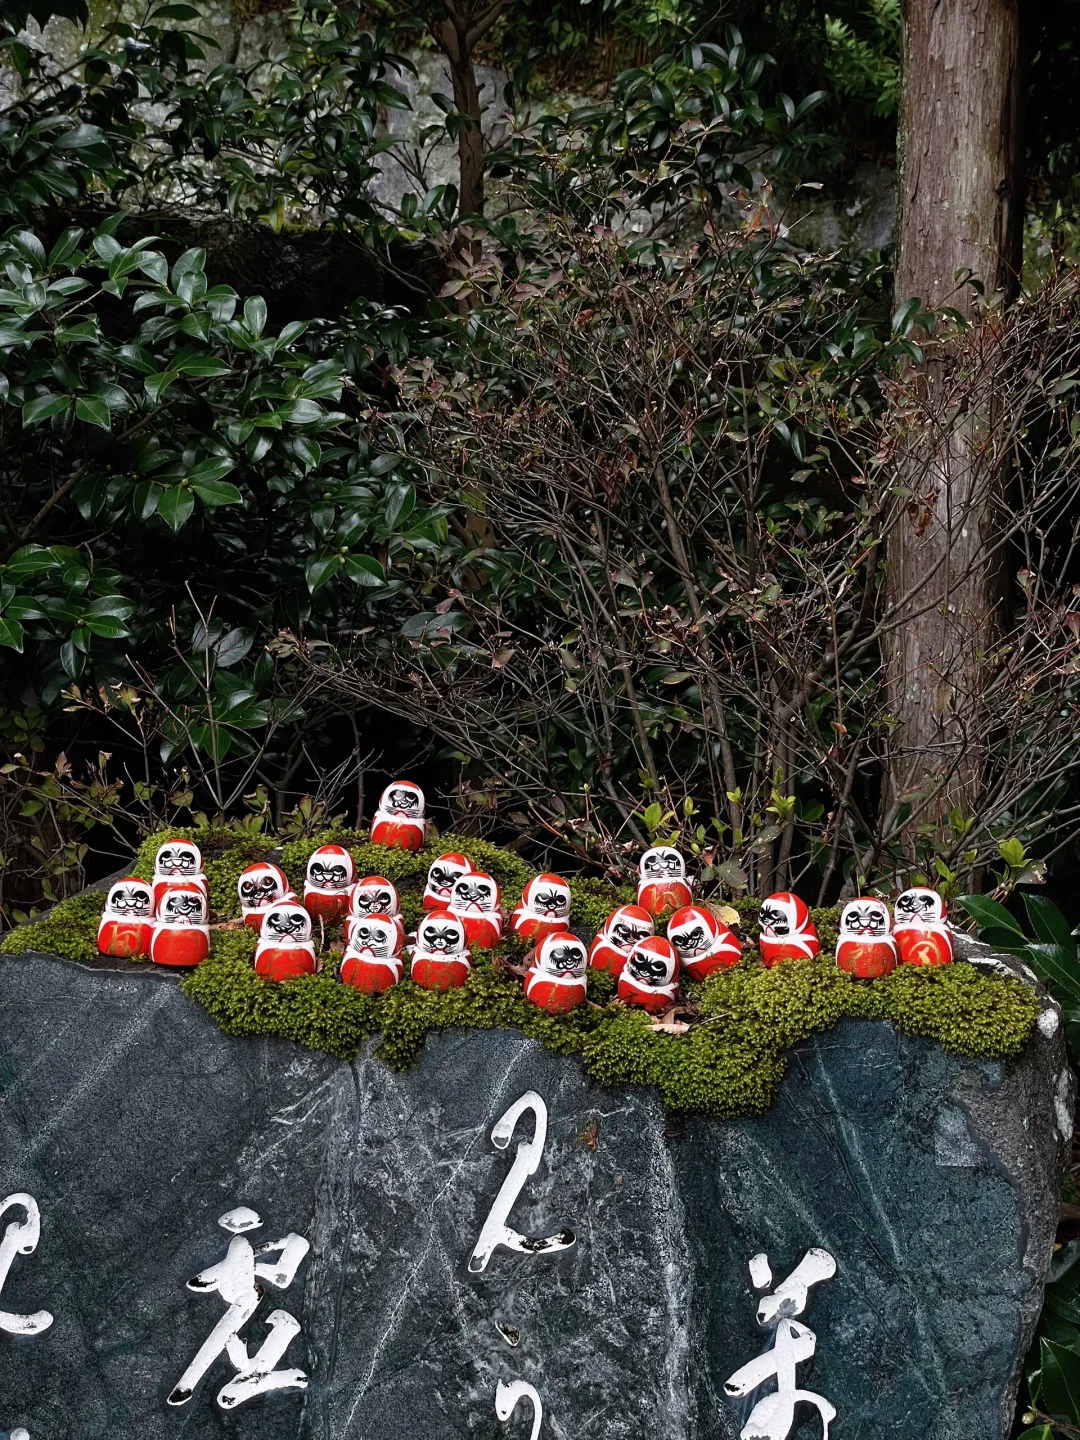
point(136, 1124)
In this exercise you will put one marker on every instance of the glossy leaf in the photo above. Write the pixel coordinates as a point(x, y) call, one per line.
point(175, 506)
point(988, 912)
point(1059, 1384)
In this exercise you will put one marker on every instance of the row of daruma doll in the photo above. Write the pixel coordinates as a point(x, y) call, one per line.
point(168, 919)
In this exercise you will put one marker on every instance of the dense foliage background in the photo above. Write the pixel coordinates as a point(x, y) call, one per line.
point(575, 507)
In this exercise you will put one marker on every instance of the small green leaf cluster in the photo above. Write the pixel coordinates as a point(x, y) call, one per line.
point(730, 1061)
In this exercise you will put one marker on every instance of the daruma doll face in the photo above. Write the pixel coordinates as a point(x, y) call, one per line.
point(130, 899)
point(178, 858)
point(441, 934)
point(561, 954)
point(865, 918)
point(662, 863)
point(919, 905)
point(475, 892)
point(330, 868)
point(286, 924)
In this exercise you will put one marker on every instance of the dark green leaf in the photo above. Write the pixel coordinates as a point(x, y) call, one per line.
point(1059, 1387)
point(255, 315)
point(216, 492)
point(1059, 965)
point(1047, 921)
point(364, 570)
point(300, 412)
point(319, 570)
point(175, 506)
point(44, 407)
point(233, 646)
point(31, 560)
point(12, 633)
point(988, 912)
point(94, 411)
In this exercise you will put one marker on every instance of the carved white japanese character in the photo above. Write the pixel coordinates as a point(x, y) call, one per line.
point(773, 1417)
point(496, 1231)
point(508, 1394)
point(20, 1238)
point(234, 1279)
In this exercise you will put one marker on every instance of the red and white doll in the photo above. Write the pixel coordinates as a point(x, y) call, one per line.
point(441, 876)
point(181, 929)
point(440, 957)
point(330, 876)
point(374, 895)
point(702, 942)
point(475, 901)
point(260, 885)
point(662, 883)
point(372, 960)
point(621, 931)
point(787, 932)
point(285, 949)
point(178, 860)
point(556, 979)
point(127, 926)
point(921, 928)
point(544, 908)
point(649, 976)
point(865, 947)
point(399, 820)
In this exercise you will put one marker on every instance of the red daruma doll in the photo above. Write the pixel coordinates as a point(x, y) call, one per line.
point(440, 957)
point(556, 979)
point(662, 883)
point(399, 820)
point(178, 860)
point(261, 885)
point(181, 930)
point(622, 930)
point(920, 928)
point(865, 947)
point(440, 879)
point(285, 949)
point(702, 943)
point(374, 895)
point(787, 932)
point(475, 901)
point(544, 908)
point(330, 874)
point(127, 926)
point(372, 960)
point(649, 975)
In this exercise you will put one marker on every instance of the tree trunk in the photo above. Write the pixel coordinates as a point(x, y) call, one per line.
point(960, 210)
point(455, 43)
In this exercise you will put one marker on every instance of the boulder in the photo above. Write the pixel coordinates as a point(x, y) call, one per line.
point(932, 1183)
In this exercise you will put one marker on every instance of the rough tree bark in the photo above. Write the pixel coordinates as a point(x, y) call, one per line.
point(463, 25)
point(961, 199)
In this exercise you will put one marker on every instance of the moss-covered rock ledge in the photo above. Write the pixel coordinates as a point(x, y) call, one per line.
point(729, 1062)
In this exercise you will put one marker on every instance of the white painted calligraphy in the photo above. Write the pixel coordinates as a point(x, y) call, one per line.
point(21, 1238)
point(773, 1417)
point(235, 1280)
point(508, 1394)
point(496, 1230)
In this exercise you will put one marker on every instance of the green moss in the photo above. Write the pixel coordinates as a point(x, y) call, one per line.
point(594, 900)
point(730, 1061)
point(70, 929)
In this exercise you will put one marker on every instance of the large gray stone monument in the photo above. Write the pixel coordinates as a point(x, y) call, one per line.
point(898, 1206)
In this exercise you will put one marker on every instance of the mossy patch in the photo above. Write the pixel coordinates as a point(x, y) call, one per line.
point(741, 1023)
